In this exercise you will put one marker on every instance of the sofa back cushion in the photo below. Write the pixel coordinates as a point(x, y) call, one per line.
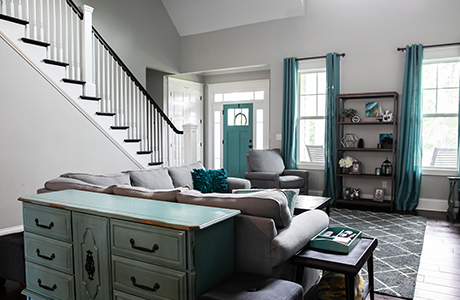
point(66, 183)
point(182, 176)
point(268, 160)
point(154, 179)
point(141, 192)
point(102, 180)
point(269, 204)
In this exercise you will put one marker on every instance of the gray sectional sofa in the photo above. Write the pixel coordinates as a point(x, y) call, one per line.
point(267, 234)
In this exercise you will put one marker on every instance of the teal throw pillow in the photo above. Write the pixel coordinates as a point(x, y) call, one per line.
point(210, 181)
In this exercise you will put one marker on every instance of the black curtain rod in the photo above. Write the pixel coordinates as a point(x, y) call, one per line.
point(316, 57)
point(432, 46)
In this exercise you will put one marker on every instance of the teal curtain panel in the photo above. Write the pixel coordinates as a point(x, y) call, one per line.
point(289, 126)
point(409, 167)
point(330, 141)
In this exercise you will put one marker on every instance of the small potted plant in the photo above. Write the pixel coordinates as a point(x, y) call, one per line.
point(346, 163)
point(346, 114)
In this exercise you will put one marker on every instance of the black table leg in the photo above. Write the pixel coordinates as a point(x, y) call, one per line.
point(299, 275)
point(350, 286)
point(370, 271)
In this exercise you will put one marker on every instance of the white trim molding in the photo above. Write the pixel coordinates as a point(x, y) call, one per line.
point(11, 230)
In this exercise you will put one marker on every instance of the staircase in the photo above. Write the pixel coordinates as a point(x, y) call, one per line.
point(57, 39)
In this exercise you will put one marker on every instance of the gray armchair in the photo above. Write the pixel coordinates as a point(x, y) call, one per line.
point(266, 170)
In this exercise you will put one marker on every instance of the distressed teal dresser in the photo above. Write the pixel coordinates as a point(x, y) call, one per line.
point(82, 245)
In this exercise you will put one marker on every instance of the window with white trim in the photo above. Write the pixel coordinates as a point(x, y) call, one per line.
point(440, 84)
point(311, 115)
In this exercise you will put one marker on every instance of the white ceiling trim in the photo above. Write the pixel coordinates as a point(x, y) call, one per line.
point(200, 16)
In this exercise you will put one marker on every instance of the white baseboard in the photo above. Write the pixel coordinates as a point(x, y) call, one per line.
point(432, 204)
point(11, 230)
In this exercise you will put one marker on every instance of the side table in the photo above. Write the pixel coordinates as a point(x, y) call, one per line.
point(348, 264)
point(451, 200)
point(305, 202)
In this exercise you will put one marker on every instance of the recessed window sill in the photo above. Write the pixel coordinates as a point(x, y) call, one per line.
point(439, 172)
point(310, 166)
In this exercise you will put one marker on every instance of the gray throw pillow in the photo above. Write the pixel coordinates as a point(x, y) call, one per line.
point(182, 176)
point(154, 179)
point(103, 180)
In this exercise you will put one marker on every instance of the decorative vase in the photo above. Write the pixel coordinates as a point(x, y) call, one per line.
point(346, 170)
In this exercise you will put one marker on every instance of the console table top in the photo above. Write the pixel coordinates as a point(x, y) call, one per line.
point(160, 213)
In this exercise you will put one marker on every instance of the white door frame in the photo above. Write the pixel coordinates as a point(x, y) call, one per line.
point(213, 106)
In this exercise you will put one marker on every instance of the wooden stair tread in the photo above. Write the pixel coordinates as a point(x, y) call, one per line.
point(119, 127)
point(35, 42)
point(13, 19)
point(73, 81)
point(55, 62)
point(105, 114)
point(132, 140)
point(155, 163)
point(144, 152)
point(83, 97)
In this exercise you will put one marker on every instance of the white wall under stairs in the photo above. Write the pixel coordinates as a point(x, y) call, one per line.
point(34, 54)
point(43, 133)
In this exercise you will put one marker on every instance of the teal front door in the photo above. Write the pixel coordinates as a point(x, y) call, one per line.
point(237, 138)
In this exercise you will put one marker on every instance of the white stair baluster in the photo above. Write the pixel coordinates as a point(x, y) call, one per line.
point(61, 29)
point(20, 9)
point(42, 29)
point(77, 49)
point(71, 45)
point(27, 28)
point(3, 7)
point(12, 9)
point(53, 39)
point(34, 16)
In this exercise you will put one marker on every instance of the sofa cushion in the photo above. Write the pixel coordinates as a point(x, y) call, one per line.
point(182, 176)
point(270, 204)
point(268, 160)
point(141, 192)
point(154, 179)
point(65, 183)
point(210, 181)
point(103, 180)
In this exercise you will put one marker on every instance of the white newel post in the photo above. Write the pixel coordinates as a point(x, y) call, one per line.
point(87, 50)
point(190, 143)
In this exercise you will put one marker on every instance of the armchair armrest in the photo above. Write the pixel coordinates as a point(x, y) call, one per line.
point(301, 173)
point(261, 176)
point(293, 238)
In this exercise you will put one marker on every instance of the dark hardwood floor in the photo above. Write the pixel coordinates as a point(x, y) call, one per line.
point(438, 276)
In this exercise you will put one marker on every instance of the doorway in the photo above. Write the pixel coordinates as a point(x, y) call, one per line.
point(237, 138)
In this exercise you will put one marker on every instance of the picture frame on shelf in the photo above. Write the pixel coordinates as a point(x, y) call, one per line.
point(386, 140)
point(378, 194)
point(371, 109)
point(356, 167)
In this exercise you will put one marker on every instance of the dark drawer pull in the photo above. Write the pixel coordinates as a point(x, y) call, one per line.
point(44, 256)
point(154, 248)
point(51, 225)
point(156, 286)
point(46, 287)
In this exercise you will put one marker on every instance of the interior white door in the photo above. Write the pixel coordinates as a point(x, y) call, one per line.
point(185, 106)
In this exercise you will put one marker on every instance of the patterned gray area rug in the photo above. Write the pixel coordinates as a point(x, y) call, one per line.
point(400, 242)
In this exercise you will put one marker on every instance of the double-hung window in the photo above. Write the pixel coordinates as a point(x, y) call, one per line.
point(311, 115)
point(440, 84)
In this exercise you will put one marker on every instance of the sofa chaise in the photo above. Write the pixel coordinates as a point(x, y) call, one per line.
point(267, 234)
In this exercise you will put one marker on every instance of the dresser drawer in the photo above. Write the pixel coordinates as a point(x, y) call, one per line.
point(161, 246)
point(48, 221)
point(148, 281)
point(48, 252)
point(48, 282)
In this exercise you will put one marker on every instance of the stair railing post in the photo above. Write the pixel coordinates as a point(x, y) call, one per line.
point(190, 143)
point(87, 50)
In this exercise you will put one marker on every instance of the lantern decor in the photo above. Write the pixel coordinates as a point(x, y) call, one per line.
point(386, 168)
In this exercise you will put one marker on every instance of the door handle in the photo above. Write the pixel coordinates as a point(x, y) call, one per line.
point(250, 146)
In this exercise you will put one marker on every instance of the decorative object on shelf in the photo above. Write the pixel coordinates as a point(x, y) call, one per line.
point(380, 114)
point(386, 168)
point(346, 163)
point(378, 194)
point(347, 192)
point(377, 171)
point(371, 109)
point(356, 194)
point(356, 167)
point(386, 140)
point(350, 140)
point(346, 113)
point(361, 143)
point(387, 117)
point(356, 119)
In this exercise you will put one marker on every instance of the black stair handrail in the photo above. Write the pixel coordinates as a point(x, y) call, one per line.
point(125, 68)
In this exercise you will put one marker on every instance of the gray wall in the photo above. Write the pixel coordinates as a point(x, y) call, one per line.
point(43, 136)
point(140, 32)
point(367, 31)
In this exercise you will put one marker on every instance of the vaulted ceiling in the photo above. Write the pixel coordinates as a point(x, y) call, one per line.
point(199, 16)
